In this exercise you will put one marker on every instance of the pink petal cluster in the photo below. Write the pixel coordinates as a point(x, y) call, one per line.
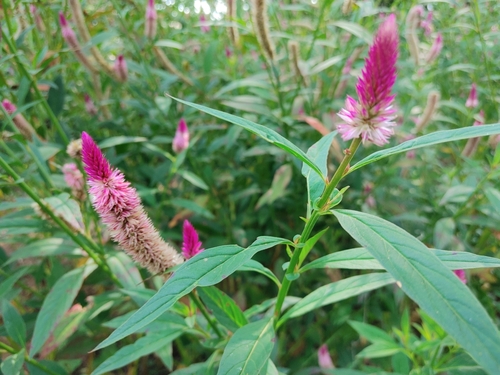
point(461, 275)
point(89, 106)
point(181, 139)
point(372, 117)
point(472, 100)
point(435, 50)
point(74, 179)
point(120, 69)
point(151, 20)
point(191, 244)
point(324, 359)
point(205, 28)
point(120, 208)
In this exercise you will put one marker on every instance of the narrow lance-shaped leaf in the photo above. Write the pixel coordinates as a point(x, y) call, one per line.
point(262, 131)
point(248, 350)
point(223, 308)
point(429, 140)
point(430, 283)
point(207, 268)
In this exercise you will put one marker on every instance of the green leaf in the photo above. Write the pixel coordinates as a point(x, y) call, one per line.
point(325, 64)
point(223, 308)
point(13, 364)
point(55, 305)
point(125, 270)
point(253, 265)
point(362, 259)
point(262, 131)
point(379, 350)
point(14, 324)
point(194, 179)
point(144, 346)
point(7, 285)
point(428, 282)
point(169, 43)
point(55, 98)
point(248, 350)
point(120, 140)
point(67, 209)
point(429, 140)
point(207, 268)
point(354, 29)
point(310, 244)
point(371, 333)
point(281, 179)
point(337, 291)
point(318, 153)
point(44, 248)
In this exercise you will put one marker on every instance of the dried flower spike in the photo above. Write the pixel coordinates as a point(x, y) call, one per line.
point(74, 179)
point(191, 244)
point(19, 121)
point(261, 27)
point(234, 34)
point(371, 119)
point(74, 149)
point(435, 50)
point(121, 210)
point(89, 106)
point(472, 101)
point(38, 19)
point(430, 108)
point(150, 25)
point(120, 68)
point(181, 139)
point(324, 359)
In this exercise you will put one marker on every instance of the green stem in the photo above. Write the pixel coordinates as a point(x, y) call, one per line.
point(311, 222)
point(31, 361)
point(197, 301)
point(34, 84)
point(77, 238)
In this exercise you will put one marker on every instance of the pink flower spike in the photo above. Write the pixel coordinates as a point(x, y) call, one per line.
point(435, 50)
point(181, 139)
point(472, 101)
point(324, 359)
point(372, 118)
point(67, 32)
point(191, 244)
point(204, 24)
point(89, 106)
point(120, 208)
point(461, 275)
point(151, 20)
point(9, 106)
point(120, 68)
point(228, 52)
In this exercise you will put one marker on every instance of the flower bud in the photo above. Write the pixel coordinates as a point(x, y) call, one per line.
point(435, 50)
point(151, 20)
point(472, 101)
point(120, 68)
point(324, 359)
point(181, 139)
point(191, 244)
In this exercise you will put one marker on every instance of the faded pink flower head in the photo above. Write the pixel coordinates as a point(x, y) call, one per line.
point(73, 176)
point(120, 208)
point(120, 68)
point(151, 20)
point(205, 28)
point(372, 117)
point(181, 139)
point(427, 24)
point(9, 106)
point(67, 32)
point(324, 359)
point(472, 100)
point(191, 244)
point(89, 106)
point(461, 275)
point(435, 49)
point(228, 52)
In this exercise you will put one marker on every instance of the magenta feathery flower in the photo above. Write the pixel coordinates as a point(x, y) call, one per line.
point(181, 139)
point(472, 101)
point(120, 68)
point(435, 49)
point(191, 244)
point(151, 20)
point(372, 117)
point(120, 208)
point(324, 359)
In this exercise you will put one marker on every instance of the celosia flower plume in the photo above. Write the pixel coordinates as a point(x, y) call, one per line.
point(435, 49)
point(120, 208)
point(120, 68)
point(89, 106)
point(74, 179)
point(205, 28)
point(191, 244)
point(371, 119)
point(324, 359)
point(151, 20)
point(472, 101)
point(181, 139)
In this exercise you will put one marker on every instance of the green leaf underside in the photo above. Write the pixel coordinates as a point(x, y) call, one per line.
point(223, 308)
point(254, 266)
point(248, 350)
point(429, 140)
point(143, 346)
point(426, 280)
point(262, 131)
point(337, 291)
point(205, 269)
point(362, 259)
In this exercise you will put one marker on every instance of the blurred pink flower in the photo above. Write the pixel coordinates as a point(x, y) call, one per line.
point(68, 33)
point(19, 121)
point(89, 106)
point(204, 24)
point(228, 52)
point(435, 50)
point(461, 275)
point(36, 16)
point(473, 143)
point(74, 179)
point(191, 244)
point(181, 139)
point(372, 117)
point(120, 208)
point(150, 24)
point(9, 106)
point(120, 68)
point(324, 359)
point(427, 24)
point(472, 101)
